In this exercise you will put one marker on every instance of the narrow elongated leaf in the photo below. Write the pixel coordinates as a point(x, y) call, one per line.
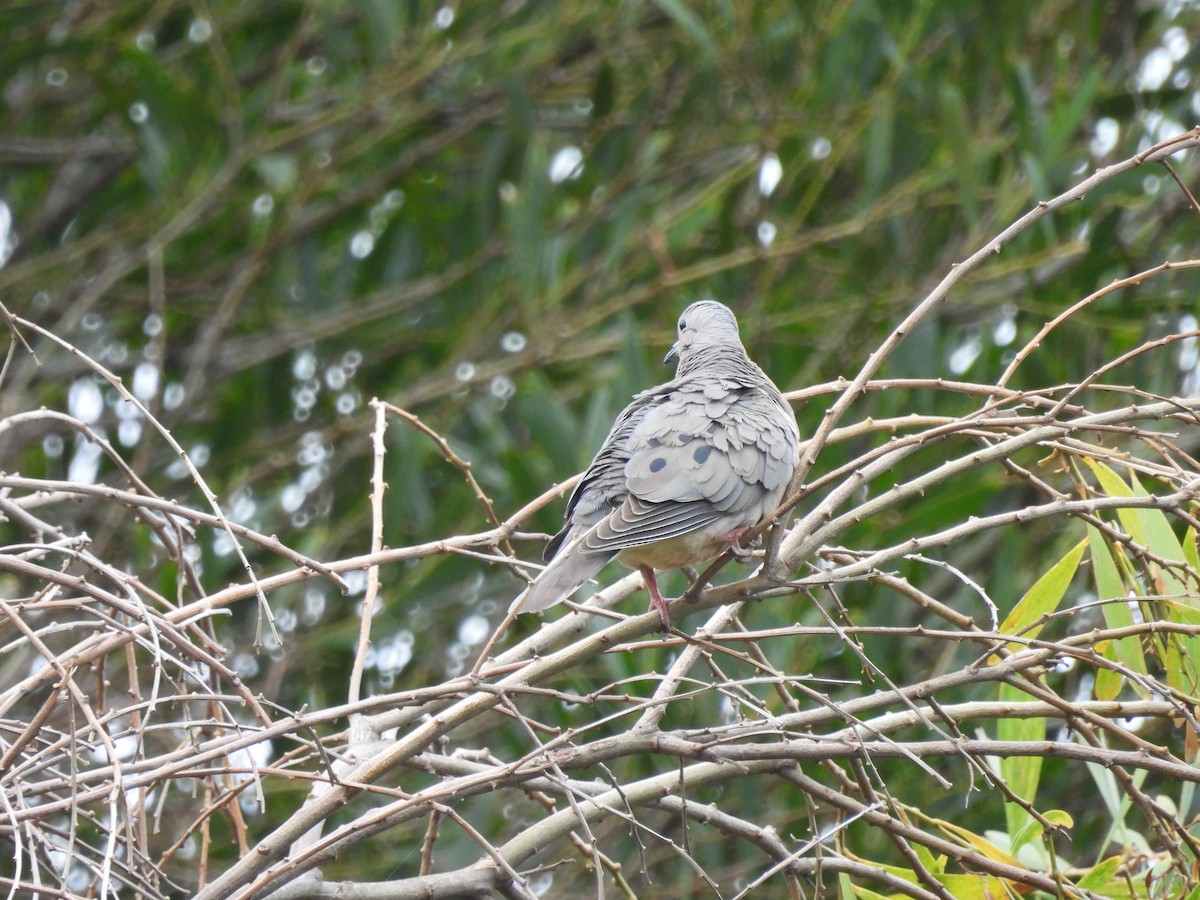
point(977, 843)
point(1163, 542)
point(1020, 773)
point(1043, 598)
point(1148, 527)
point(977, 887)
point(1117, 614)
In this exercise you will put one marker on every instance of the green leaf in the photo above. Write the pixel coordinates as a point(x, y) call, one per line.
point(862, 892)
point(1162, 541)
point(1115, 486)
point(690, 23)
point(1106, 880)
point(1030, 831)
point(1101, 875)
point(1117, 614)
point(976, 842)
point(976, 887)
point(1109, 684)
point(1059, 817)
point(1043, 598)
point(1149, 527)
point(1183, 652)
point(1190, 551)
point(1020, 773)
point(934, 864)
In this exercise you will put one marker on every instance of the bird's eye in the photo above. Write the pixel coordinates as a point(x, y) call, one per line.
point(683, 326)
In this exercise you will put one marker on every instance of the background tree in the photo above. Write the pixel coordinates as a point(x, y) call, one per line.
point(961, 234)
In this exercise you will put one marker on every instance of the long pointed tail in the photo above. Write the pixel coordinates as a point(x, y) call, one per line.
point(567, 572)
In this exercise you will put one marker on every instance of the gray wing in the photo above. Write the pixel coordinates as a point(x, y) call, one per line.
point(603, 487)
point(710, 448)
point(601, 490)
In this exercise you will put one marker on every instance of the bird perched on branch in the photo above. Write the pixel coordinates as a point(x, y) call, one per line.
point(688, 469)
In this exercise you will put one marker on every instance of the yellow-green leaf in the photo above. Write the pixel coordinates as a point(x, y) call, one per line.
point(1151, 528)
point(1043, 598)
point(934, 864)
point(1183, 652)
point(1020, 773)
point(977, 842)
point(864, 893)
point(1059, 817)
point(1105, 880)
point(1162, 541)
point(1115, 486)
point(1117, 614)
point(1102, 873)
point(1031, 830)
point(898, 871)
point(977, 887)
point(1109, 683)
point(1148, 527)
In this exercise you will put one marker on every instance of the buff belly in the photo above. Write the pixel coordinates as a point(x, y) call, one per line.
point(684, 550)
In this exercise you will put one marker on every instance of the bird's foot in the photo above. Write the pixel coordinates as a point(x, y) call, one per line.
point(743, 553)
point(657, 603)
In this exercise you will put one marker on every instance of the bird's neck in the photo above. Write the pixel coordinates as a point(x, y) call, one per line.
point(724, 360)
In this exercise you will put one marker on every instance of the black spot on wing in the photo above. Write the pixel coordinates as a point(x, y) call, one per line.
point(658, 464)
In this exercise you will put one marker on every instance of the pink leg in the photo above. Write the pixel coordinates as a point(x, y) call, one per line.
point(656, 599)
point(740, 553)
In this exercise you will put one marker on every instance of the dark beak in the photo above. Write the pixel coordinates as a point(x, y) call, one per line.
point(671, 354)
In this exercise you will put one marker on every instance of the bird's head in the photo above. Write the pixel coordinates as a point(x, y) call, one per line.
point(702, 325)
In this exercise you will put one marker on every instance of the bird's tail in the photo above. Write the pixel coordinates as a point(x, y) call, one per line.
point(567, 572)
